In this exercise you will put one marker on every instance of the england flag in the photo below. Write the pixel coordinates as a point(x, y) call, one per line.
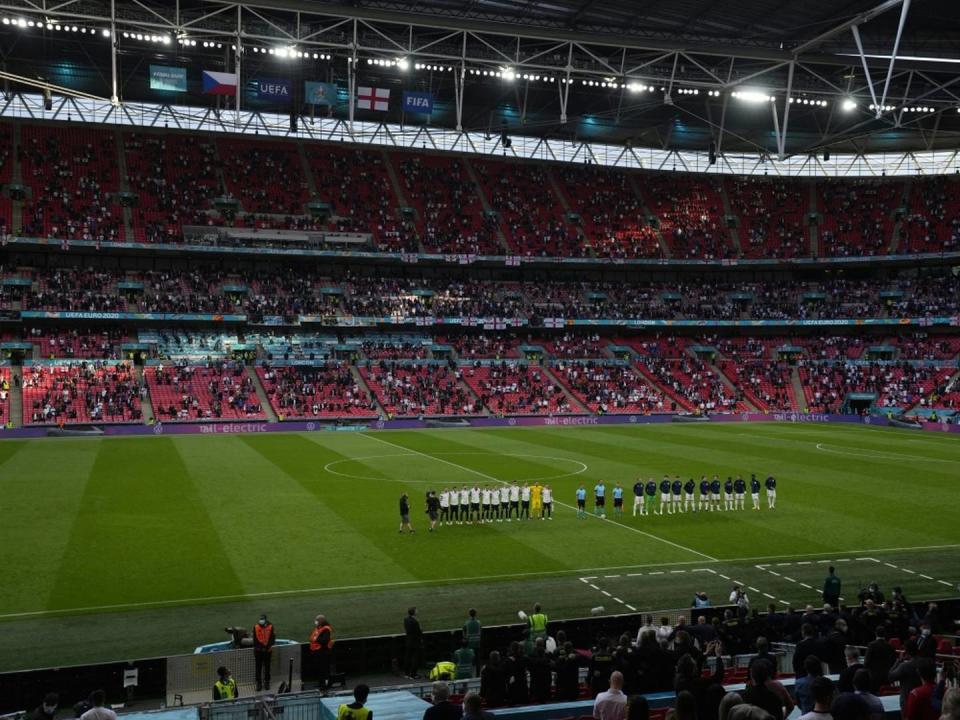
point(373, 99)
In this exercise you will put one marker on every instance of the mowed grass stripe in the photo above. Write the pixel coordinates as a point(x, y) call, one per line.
point(370, 511)
point(273, 527)
point(41, 486)
point(141, 533)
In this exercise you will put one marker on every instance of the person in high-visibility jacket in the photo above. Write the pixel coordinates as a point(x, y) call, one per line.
point(356, 710)
point(225, 688)
point(264, 638)
point(443, 670)
point(538, 623)
point(321, 649)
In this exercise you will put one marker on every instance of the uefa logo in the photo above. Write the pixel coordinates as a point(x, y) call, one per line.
point(311, 426)
point(158, 429)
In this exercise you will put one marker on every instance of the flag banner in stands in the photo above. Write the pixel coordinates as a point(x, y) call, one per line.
point(373, 99)
point(271, 89)
point(417, 102)
point(319, 93)
point(513, 261)
point(168, 79)
point(219, 83)
point(554, 322)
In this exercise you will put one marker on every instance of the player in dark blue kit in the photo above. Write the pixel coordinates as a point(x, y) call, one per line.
point(665, 496)
point(755, 491)
point(676, 488)
point(689, 503)
point(651, 491)
point(704, 493)
point(728, 494)
point(638, 497)
point(739, 487)
point(771, 492)
point(715, 492)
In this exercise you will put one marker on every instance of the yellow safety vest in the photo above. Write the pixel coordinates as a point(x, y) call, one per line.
point(345, 712)
point(538, 623)
point(226, 690)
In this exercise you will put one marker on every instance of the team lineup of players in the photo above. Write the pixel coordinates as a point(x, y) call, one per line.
point(677, 496)
point(490, 503)
point(469, 505)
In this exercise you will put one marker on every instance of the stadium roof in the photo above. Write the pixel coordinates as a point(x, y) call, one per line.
point(772, 77)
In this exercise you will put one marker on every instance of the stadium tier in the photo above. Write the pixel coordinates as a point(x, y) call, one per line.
point(408, 201)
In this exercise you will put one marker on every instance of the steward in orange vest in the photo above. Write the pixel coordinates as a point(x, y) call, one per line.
point(264, 638)
point(321, 649)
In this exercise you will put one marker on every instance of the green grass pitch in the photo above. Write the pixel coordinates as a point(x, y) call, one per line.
point(121, 548)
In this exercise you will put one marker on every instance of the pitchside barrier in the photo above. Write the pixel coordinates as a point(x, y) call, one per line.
point(325, 425)
point(190, 678)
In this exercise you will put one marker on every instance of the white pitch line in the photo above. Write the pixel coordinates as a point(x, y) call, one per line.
point(584, 580)
point(656, 572)
point(891, 565)
point(751, 588)
point(803, 562)
point(619, 601)
point(725, 577)
point(606, 593)
point(631, 607)
point(503, 482)
point(774, 572)
point(784, 602)
point(611, 576)
point(769, 596)
point(844, 560)
point(785, 577)
point(595, 587)
point(808, 587)
point(638, 574)
point(908, 571)
point(677, 572)
point(944, 582)
point(925, 577)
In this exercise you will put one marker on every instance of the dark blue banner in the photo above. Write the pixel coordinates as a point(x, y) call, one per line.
point(417, 102)
point(272, 89)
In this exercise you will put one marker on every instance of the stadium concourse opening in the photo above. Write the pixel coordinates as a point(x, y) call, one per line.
point(573, 352)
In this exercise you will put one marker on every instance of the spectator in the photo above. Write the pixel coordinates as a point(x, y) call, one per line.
point(493, 682)
point(442, 708)
point(99, 712)
point(473, 708)
point(920, 700)
point(612, 703)
point(685, 708)
point(689, 680)
point(879, 659)
point(905, 672)
point(845, 682)
point(45, 710)
point(757, 693)
point(862, 682)
point(822, 690)
point(803, 688)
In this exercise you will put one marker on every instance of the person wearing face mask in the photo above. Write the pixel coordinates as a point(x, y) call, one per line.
point(47, 709)
point(321, 649)
point(264, 639)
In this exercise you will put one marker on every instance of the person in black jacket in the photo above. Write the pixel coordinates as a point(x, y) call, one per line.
point(413, 644)
point(541, 673)
point(515, 671)
point(879, 659)
point(808, 646)
point(46, 710)
point(688, 677)
point(567, 667)
point(493, 682)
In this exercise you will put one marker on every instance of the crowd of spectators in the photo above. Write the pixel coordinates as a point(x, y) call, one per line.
point(516, 389)
point(220, 390)
point(93, 391)
point(604, 388)
point(293, 291)
point(898, 385)
point(331, 390)
point(407, 389)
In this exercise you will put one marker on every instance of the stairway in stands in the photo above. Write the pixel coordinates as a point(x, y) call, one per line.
point(146, 402)
point(16, 396)
point(261, 394)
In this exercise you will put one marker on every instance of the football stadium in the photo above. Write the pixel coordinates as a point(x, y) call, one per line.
point(570, 360)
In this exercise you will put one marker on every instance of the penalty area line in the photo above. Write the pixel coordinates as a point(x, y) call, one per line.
point(558, 502)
